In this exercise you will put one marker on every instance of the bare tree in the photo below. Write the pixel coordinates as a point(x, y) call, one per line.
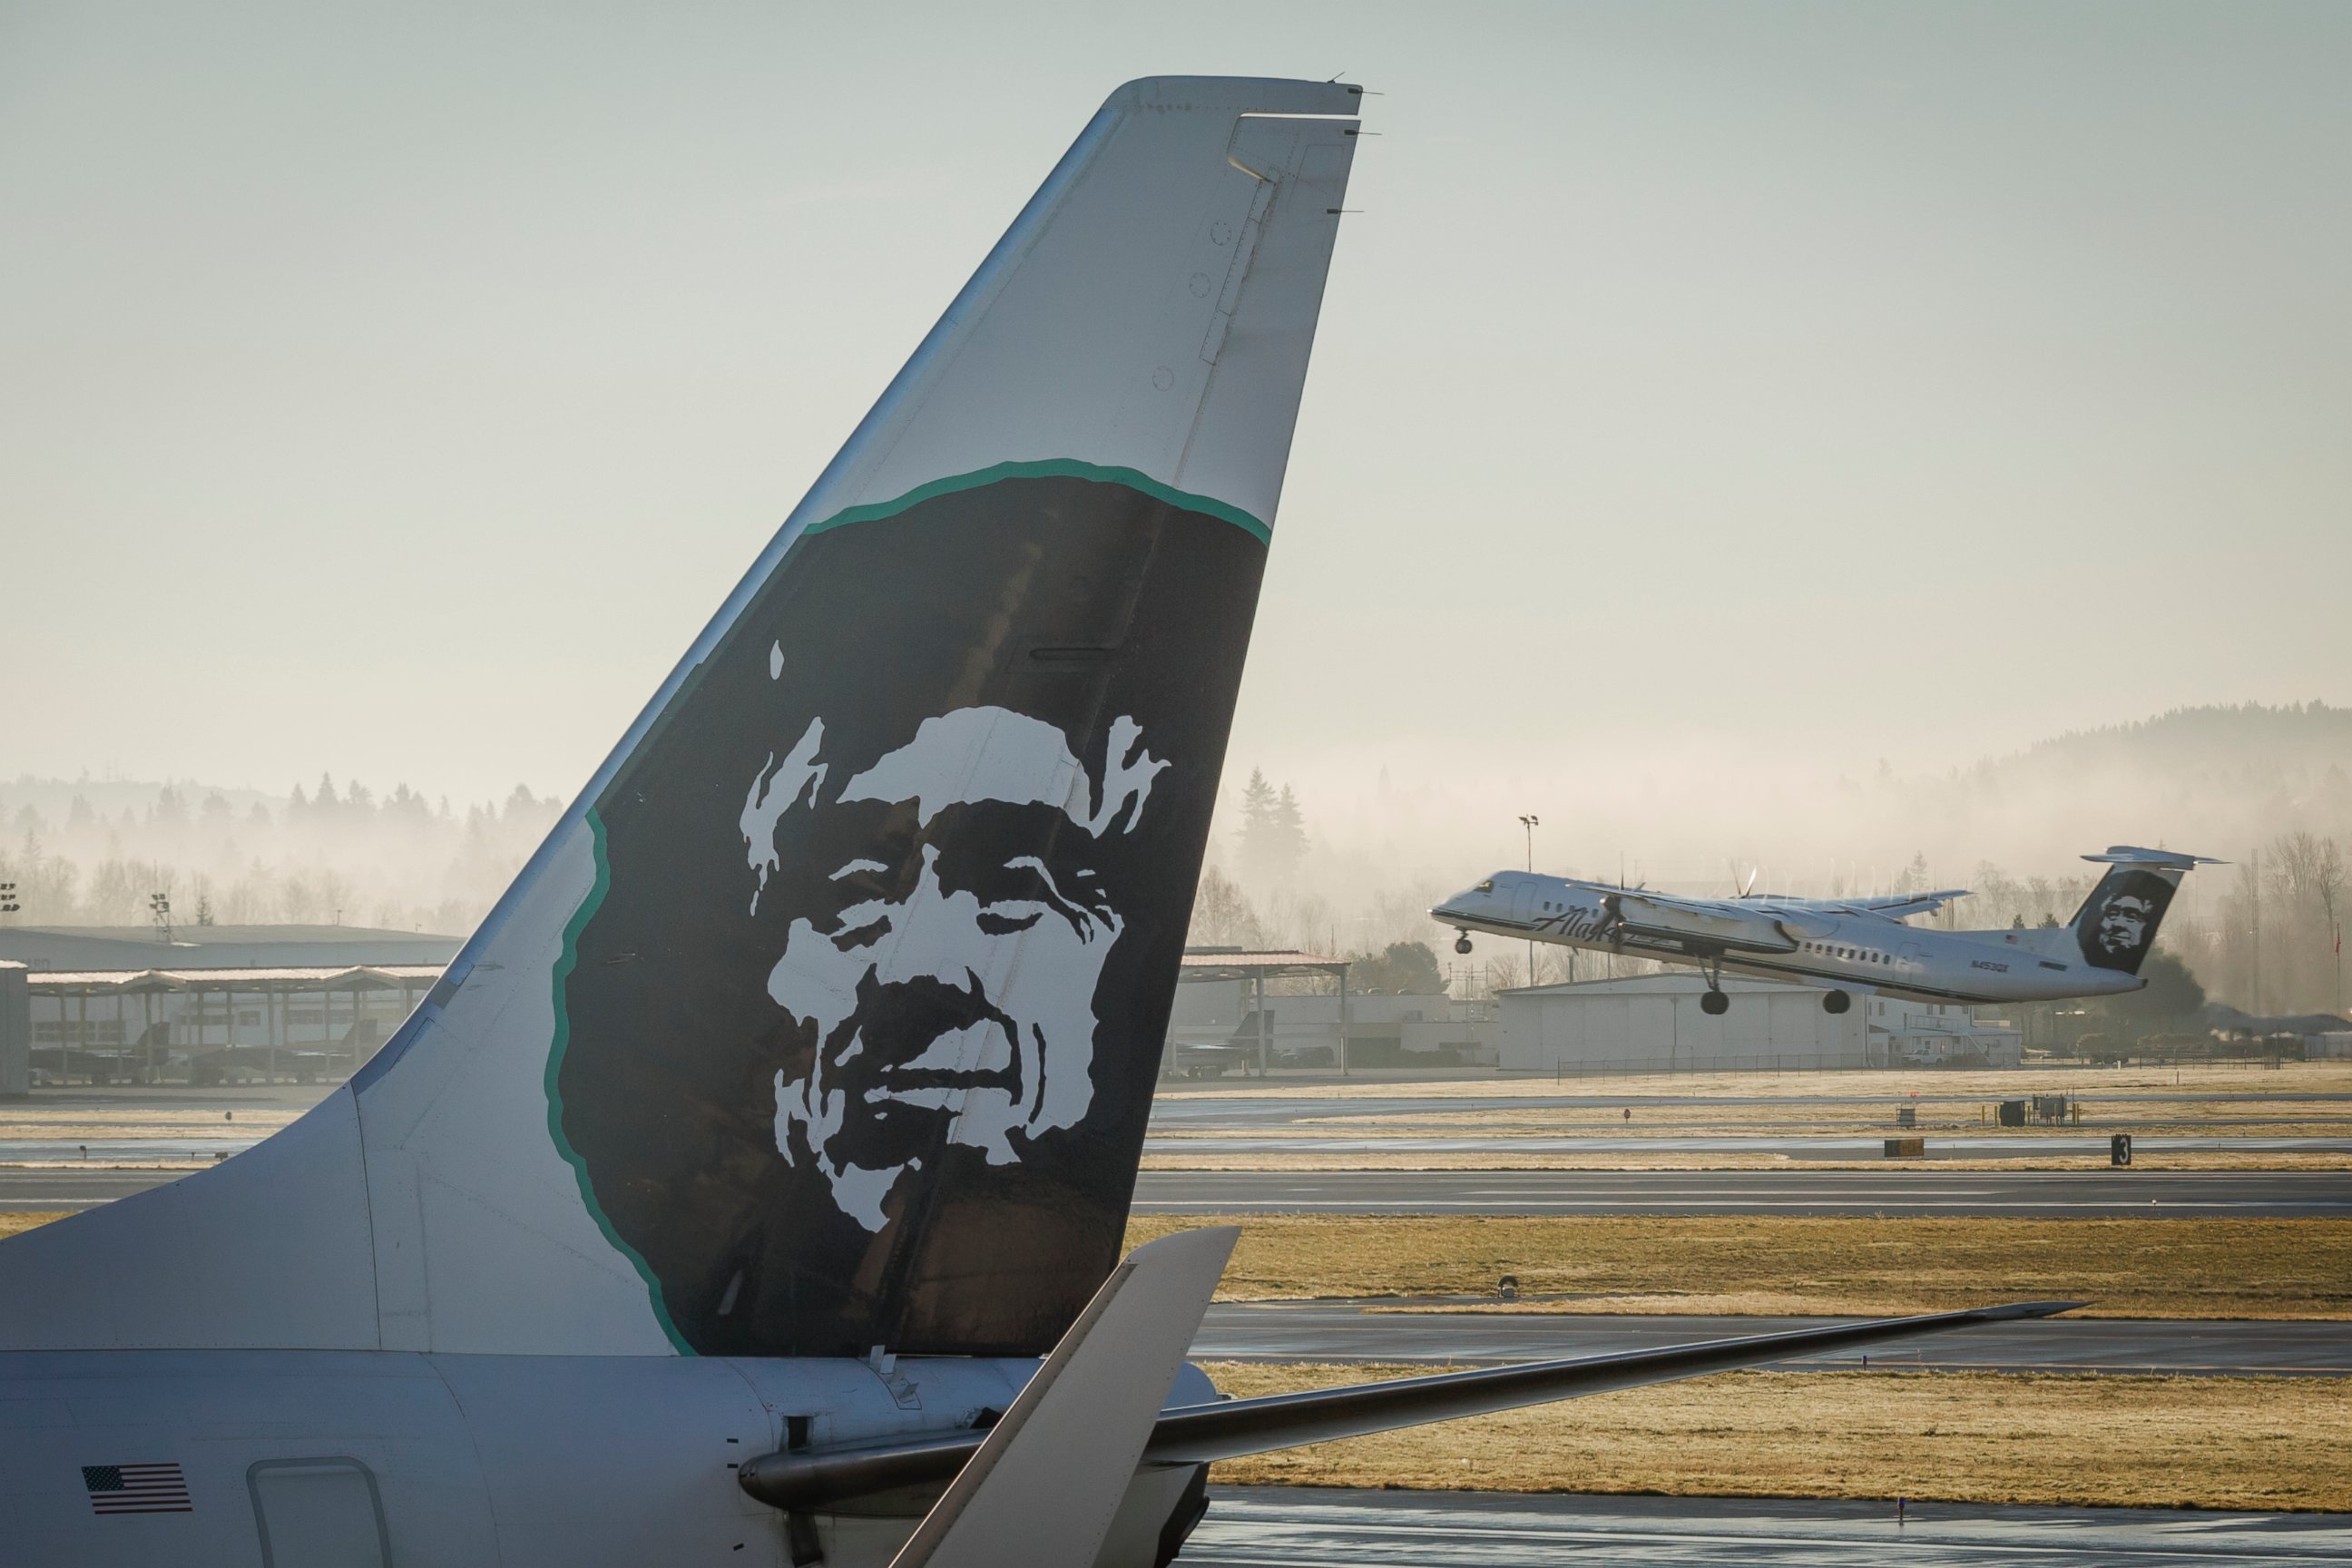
point(1222, 914)
point(2305, 878)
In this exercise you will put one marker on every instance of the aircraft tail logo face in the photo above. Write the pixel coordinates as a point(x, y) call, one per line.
point(951, 997)
point(2119, 921)
point(864, 1029)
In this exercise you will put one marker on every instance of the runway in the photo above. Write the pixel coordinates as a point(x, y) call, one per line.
point(1993, 1147)
point(1194, 1108)
point(1338, 1330)
point(1899, 1192)
point(1968, 1146)
point(27, 1190)
point(2025, 1194)
point(114, 1151)
point(1261, 1527)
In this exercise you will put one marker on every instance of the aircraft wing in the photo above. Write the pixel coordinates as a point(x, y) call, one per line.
point(1711, 922)
point(1901, 905)
point(1078, 1428)
point(1200, 1432)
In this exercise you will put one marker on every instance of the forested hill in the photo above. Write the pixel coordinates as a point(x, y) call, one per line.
point(2222, 745)
point(2212, 781)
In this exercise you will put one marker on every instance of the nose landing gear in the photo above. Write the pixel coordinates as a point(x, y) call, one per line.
point(1462, 943)
point(1835, 1001)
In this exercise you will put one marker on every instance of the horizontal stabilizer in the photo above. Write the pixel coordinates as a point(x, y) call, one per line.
point(1903, 906)
point(1198, 1434)
point(2127, 855)
point(1043, 1486)
point(1286, 1420)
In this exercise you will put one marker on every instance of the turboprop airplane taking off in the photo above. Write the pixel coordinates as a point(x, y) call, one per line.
point(1847, 943)
point(718, 1204)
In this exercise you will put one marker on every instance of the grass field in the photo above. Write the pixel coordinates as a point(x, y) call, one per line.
point(2141, 1442)
point(2129, 1269)
point(10, 1223)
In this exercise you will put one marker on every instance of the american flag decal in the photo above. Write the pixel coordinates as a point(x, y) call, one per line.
point(136, 1489)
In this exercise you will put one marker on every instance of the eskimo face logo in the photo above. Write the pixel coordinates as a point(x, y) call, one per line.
point(2117, 932)
point(2123, 924)
point(858, 1036)
point(950, 980)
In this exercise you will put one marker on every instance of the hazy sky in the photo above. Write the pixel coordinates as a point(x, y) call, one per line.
point(395, 390)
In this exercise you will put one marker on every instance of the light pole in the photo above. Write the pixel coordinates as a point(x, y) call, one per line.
point(1531, 822)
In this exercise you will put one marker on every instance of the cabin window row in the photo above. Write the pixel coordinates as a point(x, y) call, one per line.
point(1855, 954)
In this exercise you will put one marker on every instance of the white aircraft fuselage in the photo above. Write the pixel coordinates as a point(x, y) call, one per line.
point(471, 1461)
point(1818, 942)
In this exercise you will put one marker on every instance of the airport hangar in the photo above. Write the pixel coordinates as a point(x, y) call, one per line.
point(1652, 1023)
point(1641, 1024)
point(205, 1003)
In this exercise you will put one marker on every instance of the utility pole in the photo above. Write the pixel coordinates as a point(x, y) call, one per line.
point(1531, 822)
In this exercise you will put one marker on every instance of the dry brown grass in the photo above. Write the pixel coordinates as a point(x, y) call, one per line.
point(2138, 1442)
point(10, 1223)
point(2130, 1269)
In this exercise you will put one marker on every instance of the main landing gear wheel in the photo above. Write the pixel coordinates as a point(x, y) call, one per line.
point(1462, 943)
point(1714, 1004)
point(1836, 1001)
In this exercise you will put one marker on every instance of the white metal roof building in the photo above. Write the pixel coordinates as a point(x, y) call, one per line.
point(1651, 1023)
point(187, 946)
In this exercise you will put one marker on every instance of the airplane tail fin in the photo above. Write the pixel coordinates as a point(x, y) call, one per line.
point(2118, 922)
point(829, 1013)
